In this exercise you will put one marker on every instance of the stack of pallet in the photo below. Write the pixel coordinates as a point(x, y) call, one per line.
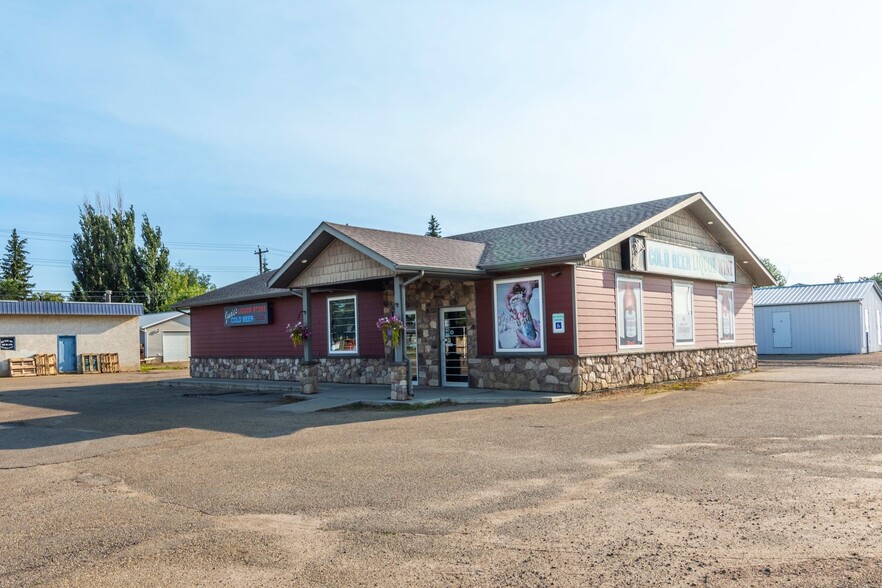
point(109, 363)
point(22, 366)
point(46, 364)
point(90, 363)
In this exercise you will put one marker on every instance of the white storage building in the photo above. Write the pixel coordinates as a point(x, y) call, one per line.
point(823, 319)
point(165, 336)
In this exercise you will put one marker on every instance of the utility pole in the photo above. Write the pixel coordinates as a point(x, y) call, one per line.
point(261, 263)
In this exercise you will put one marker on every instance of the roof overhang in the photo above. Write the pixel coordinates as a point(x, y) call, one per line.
point(717, 227)
point(317, 242)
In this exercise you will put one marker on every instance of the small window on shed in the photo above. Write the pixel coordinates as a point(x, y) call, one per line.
point(342, 324)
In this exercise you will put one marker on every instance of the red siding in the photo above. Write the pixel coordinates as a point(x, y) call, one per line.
point(210, 338)
point(558, 293)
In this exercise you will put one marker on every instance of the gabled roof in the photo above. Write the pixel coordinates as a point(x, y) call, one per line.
point(567, 239)
point(815, 293)
point(149, 320)
point(564, 238)
point(71, 308)
point(248, 289)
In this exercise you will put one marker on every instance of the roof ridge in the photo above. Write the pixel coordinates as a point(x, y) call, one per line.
point(348, 226)
point(543, 220)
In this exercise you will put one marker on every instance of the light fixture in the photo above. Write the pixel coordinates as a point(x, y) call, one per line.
point(302, 261)
point(710, 222)
point(746, 261)
point(556, 274)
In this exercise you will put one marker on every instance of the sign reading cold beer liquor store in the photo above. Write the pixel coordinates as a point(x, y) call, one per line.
point(674, 260)
point(246, 314)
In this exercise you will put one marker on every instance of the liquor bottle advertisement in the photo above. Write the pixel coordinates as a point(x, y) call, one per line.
point(726, 297)
point(519, 307)
point(629, 293)
point(684, 318)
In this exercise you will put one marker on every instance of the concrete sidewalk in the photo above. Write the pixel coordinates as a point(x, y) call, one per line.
point(340, 395)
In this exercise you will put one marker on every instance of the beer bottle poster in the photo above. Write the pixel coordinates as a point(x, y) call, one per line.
point(519, 310)
point(726, 313)
point(684, 317)
point(629, 308)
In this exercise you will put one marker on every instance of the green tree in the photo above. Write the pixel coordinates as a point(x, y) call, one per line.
point(434, 229)
point(780, 280)
point(182, 282)
point(106, 256)
point(15, 271)
point(150, 268)
point(103, 251)
point(48, 296)
point(876, 278)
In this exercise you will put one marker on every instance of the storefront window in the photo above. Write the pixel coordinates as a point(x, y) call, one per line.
point(629, 310)
point(684, 315)
point(518, 307)
point(342, 325)
point(726, 314)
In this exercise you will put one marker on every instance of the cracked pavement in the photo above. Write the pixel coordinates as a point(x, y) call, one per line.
point(771, 478)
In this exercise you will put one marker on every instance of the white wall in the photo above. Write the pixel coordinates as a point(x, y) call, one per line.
point(95, 334)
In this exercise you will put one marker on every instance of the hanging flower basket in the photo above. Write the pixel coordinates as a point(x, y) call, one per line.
point(391, 328)
point(298, 333)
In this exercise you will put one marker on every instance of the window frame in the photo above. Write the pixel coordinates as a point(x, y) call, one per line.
point(734, 338)
point(331, 351)
point(620, 318)
point(542, 349)
point(691, 286)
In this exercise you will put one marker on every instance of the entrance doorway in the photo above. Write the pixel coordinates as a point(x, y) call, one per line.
point(781, 330)
point(67, 354)
point(454, 347)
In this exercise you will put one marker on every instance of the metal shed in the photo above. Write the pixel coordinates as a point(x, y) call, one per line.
point(821, 319)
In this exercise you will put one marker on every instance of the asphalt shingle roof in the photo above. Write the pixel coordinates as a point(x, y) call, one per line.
point(248, 289)
point(814, 293)
point(408, 250)
point(562, 237)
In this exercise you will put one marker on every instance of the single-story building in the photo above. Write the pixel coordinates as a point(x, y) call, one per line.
point(648, 292)
point(69, 329)
point(821, 319)
point(165, 336)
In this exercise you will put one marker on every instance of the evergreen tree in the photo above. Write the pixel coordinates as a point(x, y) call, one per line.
point(15, 271)
point(434, 229)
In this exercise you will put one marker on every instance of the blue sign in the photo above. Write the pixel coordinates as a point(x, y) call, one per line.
point(244, 315)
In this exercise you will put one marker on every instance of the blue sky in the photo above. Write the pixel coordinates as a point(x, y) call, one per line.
point(234, 125)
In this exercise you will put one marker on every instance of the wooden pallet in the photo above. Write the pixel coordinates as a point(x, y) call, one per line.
point(90, 363)
point(46, 364)
point(109, 363)
point(23, 366)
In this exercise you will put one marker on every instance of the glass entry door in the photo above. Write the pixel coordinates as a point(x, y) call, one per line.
point(410, 331)
point(454, 348)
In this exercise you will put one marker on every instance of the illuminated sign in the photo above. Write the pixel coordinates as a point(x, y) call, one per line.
point(244, 315)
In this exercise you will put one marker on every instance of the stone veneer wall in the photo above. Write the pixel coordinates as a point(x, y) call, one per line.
point(601, 372)
point(347, 370)
point(427, 297)
point(546, 374)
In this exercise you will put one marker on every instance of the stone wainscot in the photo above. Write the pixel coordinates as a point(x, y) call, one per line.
point(578, 375)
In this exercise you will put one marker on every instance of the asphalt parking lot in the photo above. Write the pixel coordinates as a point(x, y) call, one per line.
point(773, 478)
